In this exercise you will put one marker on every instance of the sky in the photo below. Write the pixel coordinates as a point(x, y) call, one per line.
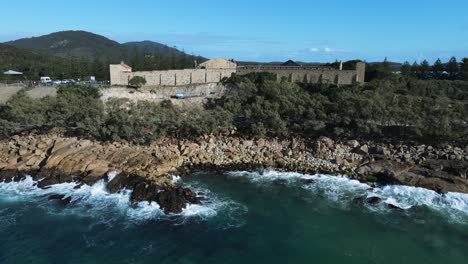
point(259, 30)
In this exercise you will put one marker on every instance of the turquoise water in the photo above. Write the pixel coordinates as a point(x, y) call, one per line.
point(247, 218)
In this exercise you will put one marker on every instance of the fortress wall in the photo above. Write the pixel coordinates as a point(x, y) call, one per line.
point(173, 77)
point(328, 76)
point(213, 76)
point(168, 79)
point(182, 77)
point(198, 76)
point(202, 76)
point(314, 76)
point(347, 77)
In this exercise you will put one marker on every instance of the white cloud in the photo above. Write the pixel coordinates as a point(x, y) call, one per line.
point(326, 50)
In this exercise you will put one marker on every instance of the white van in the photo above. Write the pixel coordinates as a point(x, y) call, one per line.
point(46, 79)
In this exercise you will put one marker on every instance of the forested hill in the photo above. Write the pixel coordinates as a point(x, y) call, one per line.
point(32, 63)
point(71, 43)
point(87, 51)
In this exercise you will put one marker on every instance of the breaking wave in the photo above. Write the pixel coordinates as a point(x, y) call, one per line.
point(108, 208)
point(345, 191)
point(95, 201)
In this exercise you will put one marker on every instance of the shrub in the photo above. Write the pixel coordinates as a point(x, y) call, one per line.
point(371, 178)
point(137, 81)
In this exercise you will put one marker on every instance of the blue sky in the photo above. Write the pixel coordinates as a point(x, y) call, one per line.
point(260, 30)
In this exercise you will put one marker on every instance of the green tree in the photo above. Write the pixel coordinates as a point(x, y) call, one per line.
point(438, 68)
point(406, 68)
point(453, 67)
point(137, 81)
point(464, 69)
point(425, 68)
point(415, 68)
point(386, 65)
point(98, 69)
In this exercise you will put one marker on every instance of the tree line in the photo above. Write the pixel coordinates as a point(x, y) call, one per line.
point(451, 70)
point(399, 107)
point(37, 64)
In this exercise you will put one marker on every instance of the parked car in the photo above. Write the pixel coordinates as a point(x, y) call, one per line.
point(46, 80)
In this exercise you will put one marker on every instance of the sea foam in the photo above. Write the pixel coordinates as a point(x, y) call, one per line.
point(95, 201)
point(343, 190)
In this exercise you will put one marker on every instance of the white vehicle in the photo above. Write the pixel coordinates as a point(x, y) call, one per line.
point(46, 79)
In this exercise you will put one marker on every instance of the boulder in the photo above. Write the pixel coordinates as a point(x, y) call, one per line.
point(352, 143)
point(328, 142)
point(23, 151)
point(175, 200)
point(386, 172)
point(362, 150)
point(64, 201)
point(373, 200)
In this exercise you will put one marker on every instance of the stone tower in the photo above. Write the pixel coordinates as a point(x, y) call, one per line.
point(360, 72)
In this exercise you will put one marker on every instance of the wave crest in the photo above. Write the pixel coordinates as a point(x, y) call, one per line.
point(344, 190)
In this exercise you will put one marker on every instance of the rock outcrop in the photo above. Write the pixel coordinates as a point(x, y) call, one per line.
point(54, 158)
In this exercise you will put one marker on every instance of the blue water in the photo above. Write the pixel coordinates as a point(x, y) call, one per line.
point(246, 218)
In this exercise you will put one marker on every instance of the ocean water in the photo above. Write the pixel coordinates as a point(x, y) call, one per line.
point(267, 217)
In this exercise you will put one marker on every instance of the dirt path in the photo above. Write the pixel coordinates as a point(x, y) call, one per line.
point(6, 92)
point(42, 91)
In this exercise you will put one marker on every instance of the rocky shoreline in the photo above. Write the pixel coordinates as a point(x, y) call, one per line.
point(54, 158)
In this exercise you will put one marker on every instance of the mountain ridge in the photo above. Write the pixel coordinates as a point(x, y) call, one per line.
point(88, 45)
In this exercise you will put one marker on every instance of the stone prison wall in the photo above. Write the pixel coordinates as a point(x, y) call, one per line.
point(122, 73)
point(176, 77)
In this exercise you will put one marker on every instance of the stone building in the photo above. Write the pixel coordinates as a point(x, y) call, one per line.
point(119, 73)
point(213, 71)
point(218, 64)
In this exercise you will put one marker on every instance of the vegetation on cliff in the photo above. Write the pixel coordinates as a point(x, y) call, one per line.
point(399, 107)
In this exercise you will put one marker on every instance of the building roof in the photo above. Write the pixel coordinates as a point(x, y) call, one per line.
point(11, 72)
point(218, 64)
point(126, 66)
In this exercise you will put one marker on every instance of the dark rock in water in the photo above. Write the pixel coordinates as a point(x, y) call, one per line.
point(176, 199)
point(19, 178)
point(190, 196)
point(47, 182)
point(123, 181)
point(144, 191)
point(64, 201)
point(374, 200)
point(171, 199)
point(8, 175)
point(394, 207)
point(56, 197)
point(78, 186)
